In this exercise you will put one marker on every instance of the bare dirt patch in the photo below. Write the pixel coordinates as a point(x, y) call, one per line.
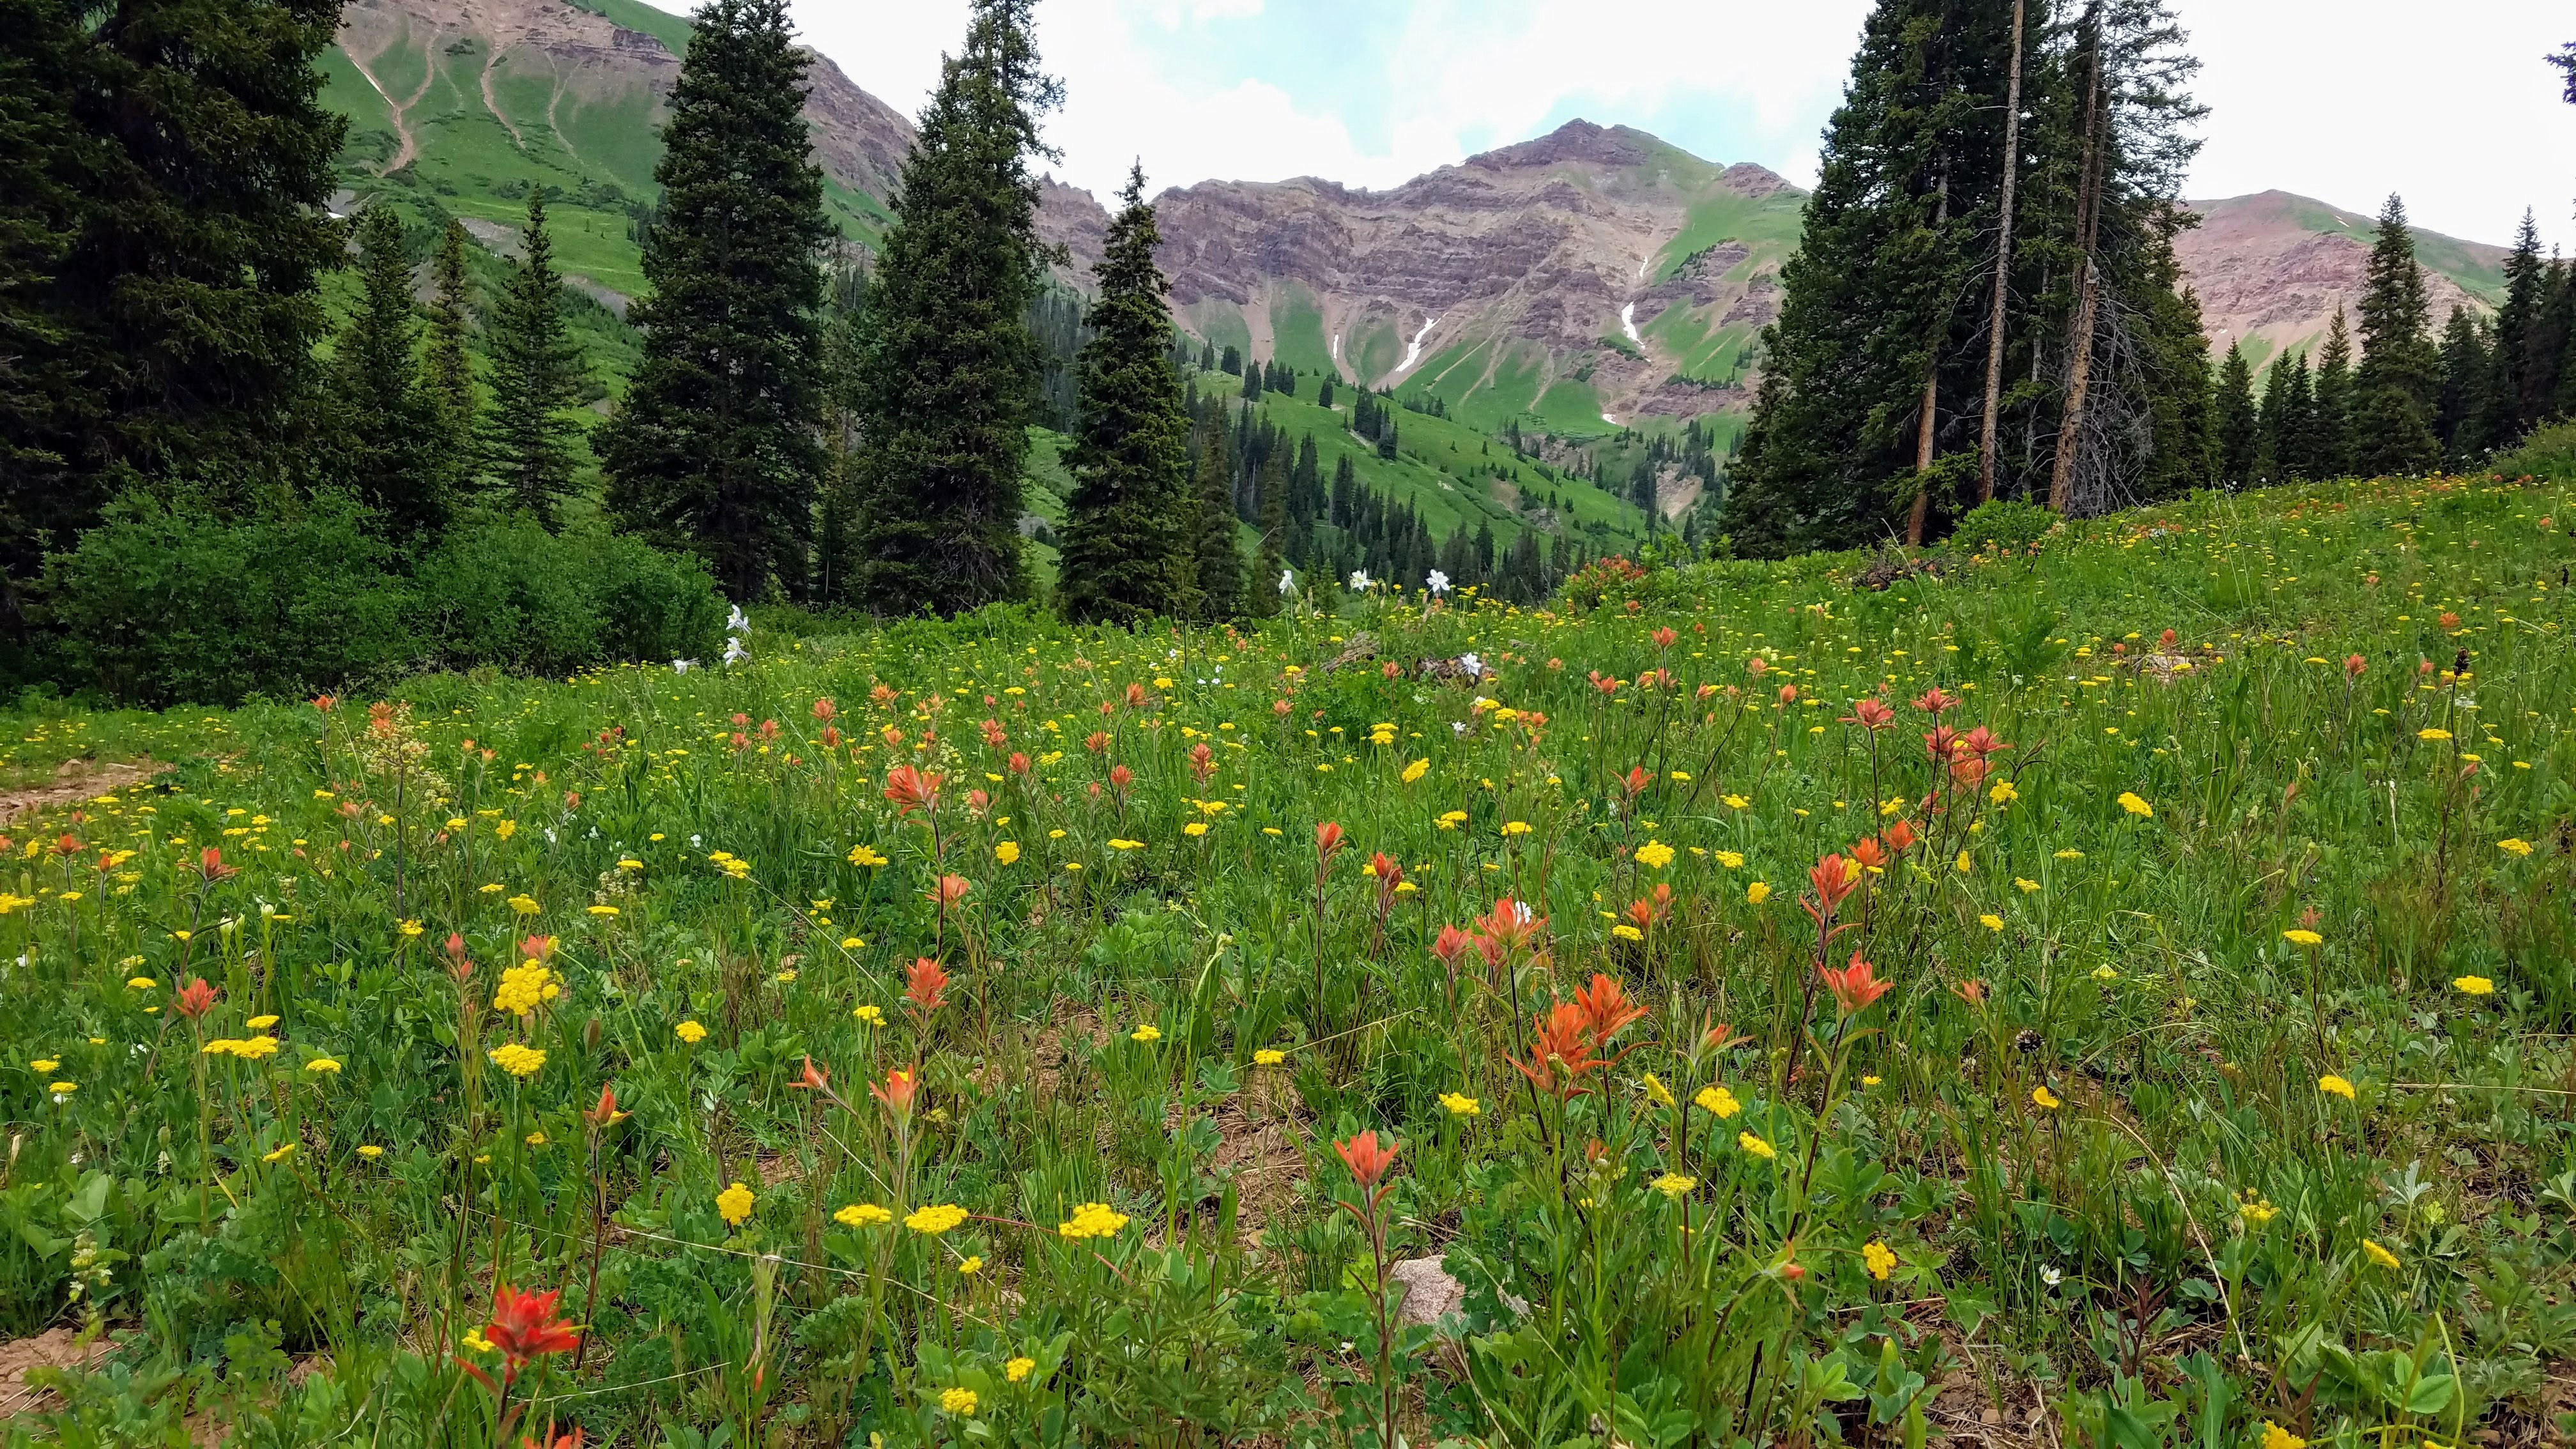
point(74, 781)
point(53, 1348)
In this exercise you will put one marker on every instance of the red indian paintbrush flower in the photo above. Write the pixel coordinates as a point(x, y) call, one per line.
point(1366, 1159)
point(1899, 836)
point(1871, 714)
point(1834, 877)
point(211, 867)
point(924, 983)
point(1560, 1052)
point(195, 999)
point(1607, 1011)
point(1634, 783)
point(826, 711)
point(606, 1112)
point(812, 1079)
point(1328, 839)
point(1854, 986)
point(1664, 637)
point(1512, 923)
point(949, 891)
point(897, 1092)
point(1451, 945)
point(909, 790)
point(1202, 762)
point(524, 1327)
point(1869, 854)
point(1933, 701)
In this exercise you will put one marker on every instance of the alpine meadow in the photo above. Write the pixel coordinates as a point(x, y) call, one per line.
point(690, 764)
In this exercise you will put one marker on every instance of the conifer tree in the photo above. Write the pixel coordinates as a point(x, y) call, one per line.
point(2329, 446)
point(164, 169)
point(718, 450)
point(2278, 454)
point(2552, 351)
point(2232, 429)
point(948, 377)
point(446, 371)
point(2511, 404)
point(537, 376)
point(2468, 370)
point(390, 454)
point(1222, 589)
point(2394, 387)
point(1129, 531)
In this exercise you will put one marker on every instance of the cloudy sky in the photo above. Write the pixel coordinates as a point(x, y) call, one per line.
point(2343, 100)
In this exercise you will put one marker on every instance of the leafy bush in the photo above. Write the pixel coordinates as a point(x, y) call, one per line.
point(2003, 526)
point(2549, 453)
point(166, 603)
point(510, 594)
point(170, 602)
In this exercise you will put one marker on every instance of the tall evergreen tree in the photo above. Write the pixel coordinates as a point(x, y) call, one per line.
point(2393, 389)
point(2329, 447)
point(528, 433)
point(2468, 371)
point(390, 456)
point(1129, 535)
point(2232, 422)
point(446, 370)
point(164, 168)
point(2278, 455)
point(947, 380)
point(1223, 592)
point(718, 447)
point(2511, 403)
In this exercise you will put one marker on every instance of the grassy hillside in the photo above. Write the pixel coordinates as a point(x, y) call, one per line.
point(2121, 991)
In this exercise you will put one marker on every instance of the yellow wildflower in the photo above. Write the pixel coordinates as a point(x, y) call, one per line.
point(1018, 1369)
point(932, 1221)
point(863, 1215)
point(1718, 1102)
point(1654, 855)
point(1673, 1184)
point(1756, 1146)
point(2300, 936)
point(2474, 986)
point(2335, 1086)
point(2045, 1099)
point(690, 1032)
point(519, 1061)
point(1461, 1105)
point(1879, 1258)
point(960, 1402)
point(2130, 802)
point(1008, 852)
point(1092, 1220)
point(2379, 1255)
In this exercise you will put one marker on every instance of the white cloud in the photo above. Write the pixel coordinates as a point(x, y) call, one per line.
point(2455, 111)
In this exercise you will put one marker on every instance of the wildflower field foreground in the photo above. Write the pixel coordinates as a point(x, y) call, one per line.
point(2116, 993)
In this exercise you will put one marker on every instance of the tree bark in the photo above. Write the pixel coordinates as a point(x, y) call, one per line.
point(1923, 430)
point(2088, 207)
point(2003, 269)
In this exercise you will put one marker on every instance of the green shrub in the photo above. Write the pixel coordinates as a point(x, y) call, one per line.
point(167, 602)
point(171, 602)
point(2548, 453)
point(509, 594)
point(2003, 526)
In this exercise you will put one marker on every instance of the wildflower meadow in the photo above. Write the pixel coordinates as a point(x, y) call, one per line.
point(2113, 989)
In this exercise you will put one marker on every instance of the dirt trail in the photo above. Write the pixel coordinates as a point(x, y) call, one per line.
point(491, 102)
point(75, 781)
point(400, 111)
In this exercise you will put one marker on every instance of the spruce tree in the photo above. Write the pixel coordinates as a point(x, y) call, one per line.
point(2232, 423)
point(446, 371)
point(1130, 528)
point(2467, 371)
point(718, 449)
point(2267, 424)
point(164, 169)
point(2329, 447)
point(2511, 402)
point(947, 380)
point(390, 455)
point(537, 376)
point(2394, 387)
point(1223, 591)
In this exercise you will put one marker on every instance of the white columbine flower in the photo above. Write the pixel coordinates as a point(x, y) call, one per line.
point(1438, 583)
point(1359, 580)
point(683, 666)
point(1472, 664)
point(734, 652)
point(1287, 582)
point(737, 622)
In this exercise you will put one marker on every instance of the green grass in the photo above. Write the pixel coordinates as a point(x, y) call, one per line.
point(1297, 331)
point(2203, 1085)
point(1768, 226)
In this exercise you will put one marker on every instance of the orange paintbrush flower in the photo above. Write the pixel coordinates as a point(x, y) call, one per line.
point(1854, 986)
point(924, 984)
point(909, 790)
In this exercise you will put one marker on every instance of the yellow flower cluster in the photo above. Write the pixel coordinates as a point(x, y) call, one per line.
point(525, 987)
point(863, 856)
point(1718, 1102)
point(1654, 855)
point(1093, 1220)
point(251, 1050)
point(1461, 1105)
point(932, 1221)
point(1879, 1258)
point(1673, 1184)
point(519, 1061)
point(734, 1205)
point(863, 1215)
point(1756, 1146)
point(690, 1032)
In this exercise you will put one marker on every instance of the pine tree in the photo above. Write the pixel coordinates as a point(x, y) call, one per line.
point(1223, 592)
point(2467, 371)
point(2393, 389)
point(446, 371)
point(947, 381)
point(2277, 453)
point(717, 449)
point(2232, 422)
point(390, 455)
point(1324, 392)
point(537, 377)
point(164, 169)
point(1129, 534)
point(2511, 403)
point(2329, 447)
point(2552, 353)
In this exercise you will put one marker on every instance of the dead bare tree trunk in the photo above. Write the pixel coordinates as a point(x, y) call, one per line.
point(1923, 429)
point(2003, 269)
point(2088, 207)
